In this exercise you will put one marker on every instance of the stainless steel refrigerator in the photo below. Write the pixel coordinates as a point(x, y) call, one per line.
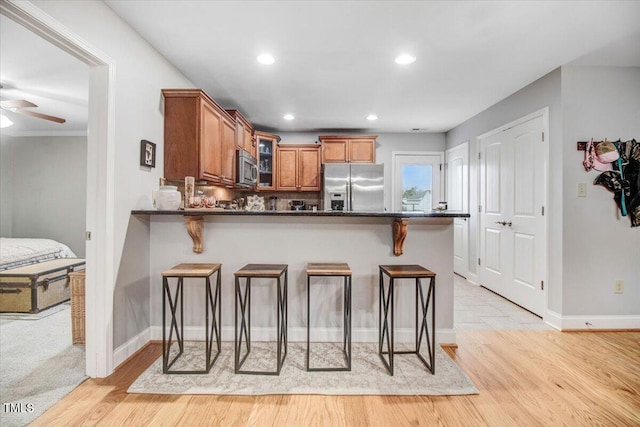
point(353, 187)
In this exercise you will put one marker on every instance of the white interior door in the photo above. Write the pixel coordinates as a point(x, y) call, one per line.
point(457, 178)
point(512, 231)
point(417, 180)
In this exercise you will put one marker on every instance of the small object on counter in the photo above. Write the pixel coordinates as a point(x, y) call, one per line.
point(168, 198)
point(273, 203)
point(255, 203)
point(189, 189)
point(442, 206)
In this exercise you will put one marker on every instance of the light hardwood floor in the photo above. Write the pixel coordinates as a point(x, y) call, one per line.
point(525, 378)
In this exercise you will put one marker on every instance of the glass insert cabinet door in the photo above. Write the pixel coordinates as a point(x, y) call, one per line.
point(266, 157)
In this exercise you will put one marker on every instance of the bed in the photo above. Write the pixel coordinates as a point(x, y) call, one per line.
point(34, 274)
point(20, 252)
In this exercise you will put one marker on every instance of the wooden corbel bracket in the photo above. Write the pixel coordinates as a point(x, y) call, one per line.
point(399, 234)
point(195, 225)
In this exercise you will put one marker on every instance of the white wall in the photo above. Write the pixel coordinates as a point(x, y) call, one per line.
point(599, 244)
point(140, 74)
point(544, 92)
point(46, 182)
point(386, 143)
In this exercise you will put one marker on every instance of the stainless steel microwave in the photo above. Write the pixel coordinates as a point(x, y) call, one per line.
point(247, 170)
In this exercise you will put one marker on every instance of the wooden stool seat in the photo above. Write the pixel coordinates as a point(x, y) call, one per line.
point(406, 271)
point(328, 269)
point(261, 270)
point(191, 270)
point(175, 300)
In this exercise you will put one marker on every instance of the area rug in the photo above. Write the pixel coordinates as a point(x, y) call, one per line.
point(367, 376)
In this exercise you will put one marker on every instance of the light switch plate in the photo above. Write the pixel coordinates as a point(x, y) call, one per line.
point(582, 189)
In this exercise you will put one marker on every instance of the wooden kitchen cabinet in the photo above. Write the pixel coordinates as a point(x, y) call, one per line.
point(298, 167)
point(244, 133)
point(348, 148)
point(199, 138)
point(266, 149)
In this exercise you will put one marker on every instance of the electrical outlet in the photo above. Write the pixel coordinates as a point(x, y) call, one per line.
point(582, 189)
point(618, 287)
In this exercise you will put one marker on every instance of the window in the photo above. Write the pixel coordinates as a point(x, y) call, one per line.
point(416, 181)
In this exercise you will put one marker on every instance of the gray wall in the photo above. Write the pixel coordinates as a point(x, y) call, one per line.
point(44, 181)
point(599, 245)
point(6, 198)
point(544, 92)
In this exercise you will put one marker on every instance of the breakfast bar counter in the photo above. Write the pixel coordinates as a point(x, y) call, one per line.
point(364, 240)
point(194, 219)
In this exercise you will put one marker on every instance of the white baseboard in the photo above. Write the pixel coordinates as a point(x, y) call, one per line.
point(593, 322)
point(127, 349)
point(473, 278)
point(299, 334)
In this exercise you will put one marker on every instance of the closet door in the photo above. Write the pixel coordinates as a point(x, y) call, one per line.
point(512, 194)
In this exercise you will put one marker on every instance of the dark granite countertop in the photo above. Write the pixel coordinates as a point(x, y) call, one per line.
point(200, 212)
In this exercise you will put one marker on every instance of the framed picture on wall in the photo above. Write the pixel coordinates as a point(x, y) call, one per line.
point(147, 153)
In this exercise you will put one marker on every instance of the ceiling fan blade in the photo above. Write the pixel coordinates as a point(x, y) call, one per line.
point(21, 103)
point(41, 116)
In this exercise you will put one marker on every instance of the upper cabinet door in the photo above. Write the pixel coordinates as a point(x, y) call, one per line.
point(266, 146)
point(244, 132)
point(228, 153)
point(309, 169)
point(210, 150)
point(287, 168)
point(335, 151)
point(362, 150)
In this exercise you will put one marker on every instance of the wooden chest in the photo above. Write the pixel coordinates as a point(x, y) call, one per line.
point(35, 287)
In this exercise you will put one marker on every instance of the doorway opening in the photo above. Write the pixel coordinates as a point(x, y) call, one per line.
point(100, 177)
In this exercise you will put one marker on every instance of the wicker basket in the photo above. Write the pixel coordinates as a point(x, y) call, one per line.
point(77, 306)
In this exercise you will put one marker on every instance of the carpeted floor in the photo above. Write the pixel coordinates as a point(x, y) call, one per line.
point(367, 377)
point(38, 365)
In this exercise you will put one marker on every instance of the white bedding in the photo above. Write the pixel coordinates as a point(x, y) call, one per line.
point(18, 252)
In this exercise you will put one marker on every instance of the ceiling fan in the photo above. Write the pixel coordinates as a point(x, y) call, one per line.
point(18, 106)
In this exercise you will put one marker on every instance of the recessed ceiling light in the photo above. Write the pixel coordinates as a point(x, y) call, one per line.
point(266, 59)
point(372, 117)
point(288, 117)
point(405, 59)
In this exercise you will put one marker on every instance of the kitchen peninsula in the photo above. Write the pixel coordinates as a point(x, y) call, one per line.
point(362, 239)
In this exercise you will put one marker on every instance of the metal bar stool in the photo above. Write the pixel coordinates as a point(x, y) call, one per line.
point(332, 270)
point(212, 306)
point(386, 311)
point(243, 308)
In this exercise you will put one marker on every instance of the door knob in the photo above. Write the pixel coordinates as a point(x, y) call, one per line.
point(509, 223)
point(502, 222)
